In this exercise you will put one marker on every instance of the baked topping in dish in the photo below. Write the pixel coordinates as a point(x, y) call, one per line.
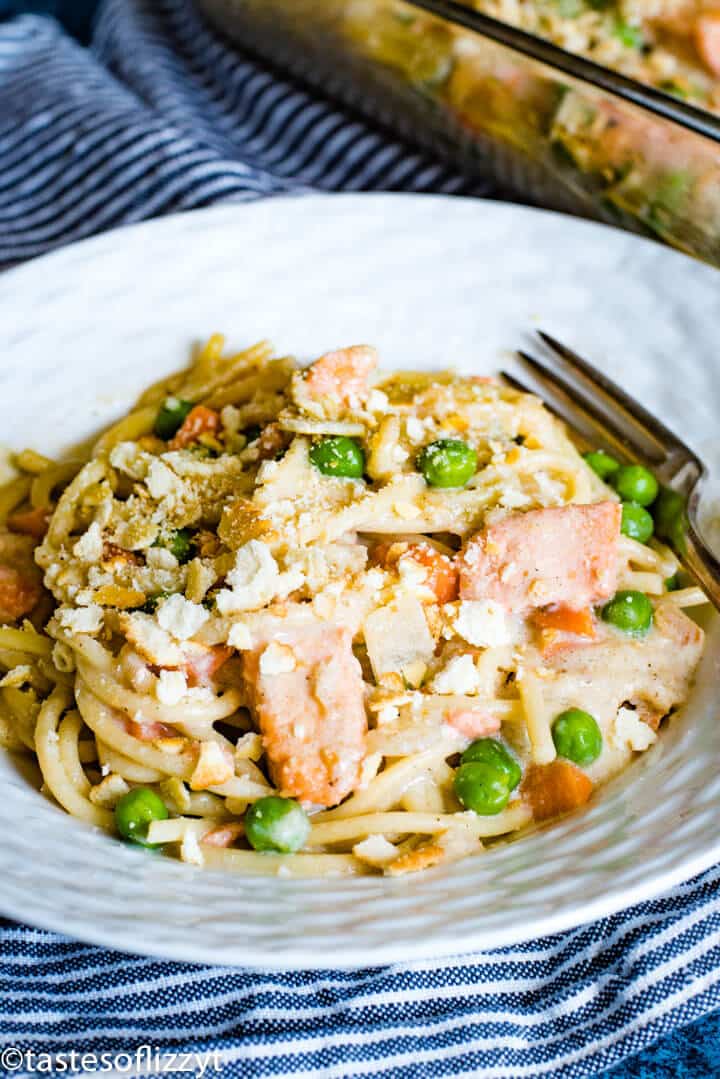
point(325, 621)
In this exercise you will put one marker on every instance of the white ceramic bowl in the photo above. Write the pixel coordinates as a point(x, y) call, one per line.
point(430, 281)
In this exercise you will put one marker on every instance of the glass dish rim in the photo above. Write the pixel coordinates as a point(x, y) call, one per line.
point(688, 117)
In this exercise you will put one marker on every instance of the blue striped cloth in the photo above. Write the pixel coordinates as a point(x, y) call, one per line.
point(161, 116)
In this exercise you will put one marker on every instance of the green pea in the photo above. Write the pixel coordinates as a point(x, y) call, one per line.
point(179, 543)
point(449, 462)
point(636, 484)
point(670, 517)
point(276, 824)
point(491, 751)
point(170, 417)
point(630, 611)
point(577, 736)
point(636, 522)
point(482, 787)
point(135, 812)
point(602, 464)
point(338, 456)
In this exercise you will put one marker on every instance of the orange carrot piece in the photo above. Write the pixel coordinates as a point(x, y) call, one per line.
point(555, 788)
point(200, 420)
point(442, 577)
point(566, 619)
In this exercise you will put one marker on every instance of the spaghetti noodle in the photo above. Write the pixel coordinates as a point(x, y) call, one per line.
point(369, 602)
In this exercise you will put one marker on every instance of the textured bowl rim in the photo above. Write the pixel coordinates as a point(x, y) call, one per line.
point(130, 936)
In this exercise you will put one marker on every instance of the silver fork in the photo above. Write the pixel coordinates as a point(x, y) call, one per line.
point(608, 418)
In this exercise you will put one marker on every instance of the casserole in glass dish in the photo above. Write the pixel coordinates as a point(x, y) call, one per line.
point(550, 126)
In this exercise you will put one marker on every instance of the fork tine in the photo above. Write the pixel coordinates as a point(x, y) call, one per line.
point(653, 427)
point(570, 413)
point(626, 434)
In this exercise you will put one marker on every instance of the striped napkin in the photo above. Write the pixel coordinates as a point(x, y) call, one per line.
point(162, 116)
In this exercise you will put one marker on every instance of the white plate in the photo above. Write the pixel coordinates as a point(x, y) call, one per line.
point(431, 281)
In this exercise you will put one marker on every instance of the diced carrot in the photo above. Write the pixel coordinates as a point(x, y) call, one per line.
point(18, 594)
point(201, 665)
point(566, 619)
point(30, 522)
point(441, 575)
point(707, 40)
point(555, 788)
point(563, 627)
point(200, 420)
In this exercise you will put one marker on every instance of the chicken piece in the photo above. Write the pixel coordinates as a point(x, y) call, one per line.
point(565, 555)
point(307, 692)
point(555, 788)
point(655, 673)
point(20, 579)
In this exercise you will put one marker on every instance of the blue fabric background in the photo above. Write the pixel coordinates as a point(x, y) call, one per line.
point(691, 1052)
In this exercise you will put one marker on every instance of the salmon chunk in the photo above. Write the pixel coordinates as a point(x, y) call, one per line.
point(307, 691)
point(342, 376)
point(199, 421)
point(707, 40)
point(473, 722)
point(565, 555)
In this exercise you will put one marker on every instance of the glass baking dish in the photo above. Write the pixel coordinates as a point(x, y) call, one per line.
point(548, 125)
